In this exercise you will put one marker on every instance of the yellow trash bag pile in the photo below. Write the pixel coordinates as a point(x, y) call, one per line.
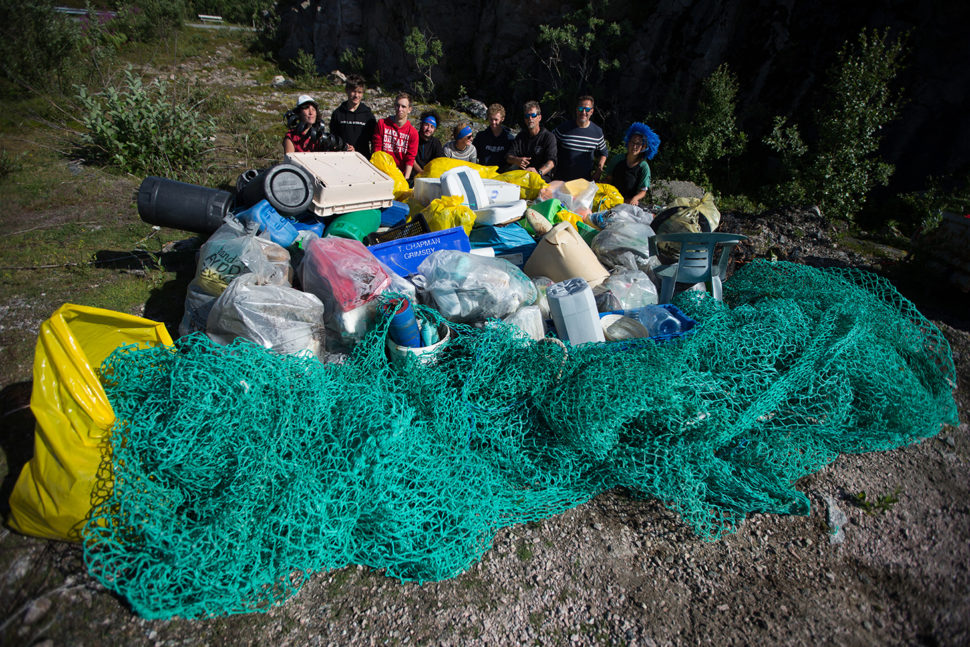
point(529, 183)
point(607, 196)
point(385, 162)
point(447, 212)
point(53, 495)
point(439, 165)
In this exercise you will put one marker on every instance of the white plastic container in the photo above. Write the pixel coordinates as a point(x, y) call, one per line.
point(427, 189)
point(573, 310)
point(345, 181)
point(427, 355)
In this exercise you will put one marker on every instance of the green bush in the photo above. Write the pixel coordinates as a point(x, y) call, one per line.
point(149, 20)
point(579, 53)
point(38, 46)
point(304, 69)
point(701, 146)
point(154, 129)
point(425, 50)
point(839, 169)
point(352, 60)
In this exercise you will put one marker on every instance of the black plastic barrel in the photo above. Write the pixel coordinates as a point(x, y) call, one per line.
point(178, 205)
point(289, 188)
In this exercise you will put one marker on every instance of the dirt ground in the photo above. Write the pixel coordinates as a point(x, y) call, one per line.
point(615, 570)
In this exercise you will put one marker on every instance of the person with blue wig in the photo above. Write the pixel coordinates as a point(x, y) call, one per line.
point(629, 172)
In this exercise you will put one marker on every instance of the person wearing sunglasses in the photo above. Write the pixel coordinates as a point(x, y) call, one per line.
point(534, 148)
point(581, 143)
point(396, 136)
point(629, 172)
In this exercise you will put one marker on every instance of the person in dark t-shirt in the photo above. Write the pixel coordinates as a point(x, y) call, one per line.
point(534, 148)
point(494, 142)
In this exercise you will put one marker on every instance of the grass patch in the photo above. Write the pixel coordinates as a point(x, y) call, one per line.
point(883, 503)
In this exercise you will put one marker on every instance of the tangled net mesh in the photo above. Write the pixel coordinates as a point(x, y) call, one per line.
point(234, 473)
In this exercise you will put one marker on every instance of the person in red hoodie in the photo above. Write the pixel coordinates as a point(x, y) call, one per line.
point(395, 135)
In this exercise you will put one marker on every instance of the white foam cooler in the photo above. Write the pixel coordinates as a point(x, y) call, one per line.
point(427, 189)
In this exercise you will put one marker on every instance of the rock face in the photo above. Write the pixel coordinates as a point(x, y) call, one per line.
point(780, 51)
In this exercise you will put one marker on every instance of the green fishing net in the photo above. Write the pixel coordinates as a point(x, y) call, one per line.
point(235, 472)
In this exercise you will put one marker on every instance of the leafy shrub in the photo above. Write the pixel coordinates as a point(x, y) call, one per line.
point(145, 129)
point(425, 50)
point(305, 68)
point(352, 60)
point(38, 46)
point(842, 166)
point(579, 52)
point(710, 137)
point(149, 20)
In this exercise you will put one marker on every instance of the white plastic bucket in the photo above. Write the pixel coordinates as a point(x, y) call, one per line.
point(427, 355)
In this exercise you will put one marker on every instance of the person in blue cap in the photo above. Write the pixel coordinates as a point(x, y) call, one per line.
point(429, 146)
point(629, 172)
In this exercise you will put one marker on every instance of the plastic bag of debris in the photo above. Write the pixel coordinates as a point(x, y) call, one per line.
point(275, 317)
point(232, 251)
point(627, 245)
point(470, 288)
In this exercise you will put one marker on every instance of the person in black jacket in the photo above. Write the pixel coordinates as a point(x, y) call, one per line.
point(429, 146)
point(534, 148)
point(353, 121)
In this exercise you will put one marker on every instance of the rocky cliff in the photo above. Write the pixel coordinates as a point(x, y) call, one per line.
point(779, 49)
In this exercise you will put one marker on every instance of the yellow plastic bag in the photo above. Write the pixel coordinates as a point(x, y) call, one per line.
point(607, 196)
point(383, 161)
point(530, 184)
point(53, 495)
point(447, 212)
point(439, 165)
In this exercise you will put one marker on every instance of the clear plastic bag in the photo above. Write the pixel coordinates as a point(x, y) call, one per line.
point(276, 317)
point(625, 245)
point(528, 319)
point(542, 283)
point(232, 251)
point(469, 288)
point(626, 290)
point(575, 195)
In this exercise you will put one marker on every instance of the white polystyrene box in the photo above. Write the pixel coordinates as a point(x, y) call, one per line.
point(427, 189)
point(345, 181)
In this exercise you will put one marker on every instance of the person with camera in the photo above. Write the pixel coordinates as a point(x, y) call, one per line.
point(306, 132)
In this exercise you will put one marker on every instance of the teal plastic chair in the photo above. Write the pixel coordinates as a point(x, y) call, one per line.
point(696, 261)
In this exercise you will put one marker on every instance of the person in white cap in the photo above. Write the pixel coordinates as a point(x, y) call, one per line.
point(306, 132)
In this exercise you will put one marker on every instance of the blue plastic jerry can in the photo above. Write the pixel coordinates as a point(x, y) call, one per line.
point(281, 230)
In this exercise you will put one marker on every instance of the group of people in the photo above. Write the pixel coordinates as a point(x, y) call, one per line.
point(575, 149)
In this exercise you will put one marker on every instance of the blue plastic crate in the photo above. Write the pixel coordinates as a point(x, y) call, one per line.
point(404, 255)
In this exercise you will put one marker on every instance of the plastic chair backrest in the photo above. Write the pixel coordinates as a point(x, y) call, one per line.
point(697, 253)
